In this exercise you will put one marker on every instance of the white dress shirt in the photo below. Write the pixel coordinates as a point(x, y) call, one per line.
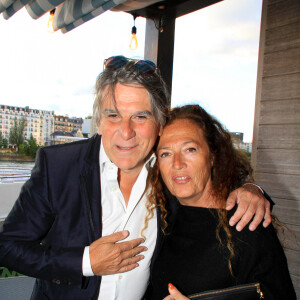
point(117, 217)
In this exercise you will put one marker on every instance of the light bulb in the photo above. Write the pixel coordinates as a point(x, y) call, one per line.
point(50, 21)
point(133, 43)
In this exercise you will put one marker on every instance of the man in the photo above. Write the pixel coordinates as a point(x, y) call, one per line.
point(69, 224)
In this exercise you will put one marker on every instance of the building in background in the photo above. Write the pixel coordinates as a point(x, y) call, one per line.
point(237, 136)
point(246, 146)
point(238, 141)
point(87, 127)
point(66, 124)
point(39, 123)
point(60, 137)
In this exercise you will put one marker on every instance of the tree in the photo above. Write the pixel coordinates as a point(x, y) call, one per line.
point(16, 133)
point(5, 143)
point(30, 147)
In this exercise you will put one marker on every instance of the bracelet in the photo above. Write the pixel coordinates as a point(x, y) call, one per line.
point(256, 186)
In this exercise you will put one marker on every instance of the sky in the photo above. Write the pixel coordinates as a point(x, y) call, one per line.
point(215, 61)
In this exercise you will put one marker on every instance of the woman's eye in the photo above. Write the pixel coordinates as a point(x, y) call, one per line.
point(164, 154)
point(191, 149)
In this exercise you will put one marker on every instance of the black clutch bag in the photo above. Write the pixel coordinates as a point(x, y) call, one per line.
point(249, 291)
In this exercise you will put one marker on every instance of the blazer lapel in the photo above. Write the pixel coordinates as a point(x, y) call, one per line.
point(91, 188)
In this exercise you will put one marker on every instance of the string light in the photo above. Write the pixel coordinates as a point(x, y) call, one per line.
point(133, 43)
point(50, 21)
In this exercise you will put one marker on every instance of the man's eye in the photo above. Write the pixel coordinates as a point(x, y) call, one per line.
point(112, 116)
point(140, 117)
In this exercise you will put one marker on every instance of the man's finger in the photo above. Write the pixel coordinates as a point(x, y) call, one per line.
point(133, 252)
point(131, 261)
point(259, 216)
point(241, 210)
point(115, 237)
point(267, 217)
point(130, 245)
point(247, 217)
point(231, 200)
point(128, 268)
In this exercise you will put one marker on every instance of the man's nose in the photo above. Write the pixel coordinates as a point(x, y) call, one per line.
point(126, 129)
point(178, 162)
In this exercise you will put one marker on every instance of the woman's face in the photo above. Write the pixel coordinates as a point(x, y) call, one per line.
point(185, 163)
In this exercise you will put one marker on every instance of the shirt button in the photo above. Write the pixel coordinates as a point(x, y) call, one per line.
point(113, 189)
point(120, 277)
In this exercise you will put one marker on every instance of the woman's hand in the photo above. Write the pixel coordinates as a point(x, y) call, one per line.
point(251, 202)
point(174, 294)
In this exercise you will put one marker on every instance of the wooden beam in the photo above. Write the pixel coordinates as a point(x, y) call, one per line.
point(159, 46)
point(188, 6)
point(177, 8)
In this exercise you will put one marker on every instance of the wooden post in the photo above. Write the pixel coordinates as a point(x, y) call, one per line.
point(159, 46)
point(276, 143)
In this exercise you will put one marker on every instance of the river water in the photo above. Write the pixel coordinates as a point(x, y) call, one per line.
point(14, 171)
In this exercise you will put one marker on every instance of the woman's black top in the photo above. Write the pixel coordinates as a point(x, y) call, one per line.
point(193, 259)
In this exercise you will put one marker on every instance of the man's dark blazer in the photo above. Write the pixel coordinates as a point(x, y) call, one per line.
point(57, 214)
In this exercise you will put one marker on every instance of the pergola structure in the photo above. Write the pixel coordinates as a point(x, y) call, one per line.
point(276, 141)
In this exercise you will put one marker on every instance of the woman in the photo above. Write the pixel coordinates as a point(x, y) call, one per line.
point(199, 167)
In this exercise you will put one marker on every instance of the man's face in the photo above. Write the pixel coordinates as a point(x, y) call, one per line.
point(129, 133)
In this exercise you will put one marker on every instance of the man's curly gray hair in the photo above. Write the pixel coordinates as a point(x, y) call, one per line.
point(129, 74)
